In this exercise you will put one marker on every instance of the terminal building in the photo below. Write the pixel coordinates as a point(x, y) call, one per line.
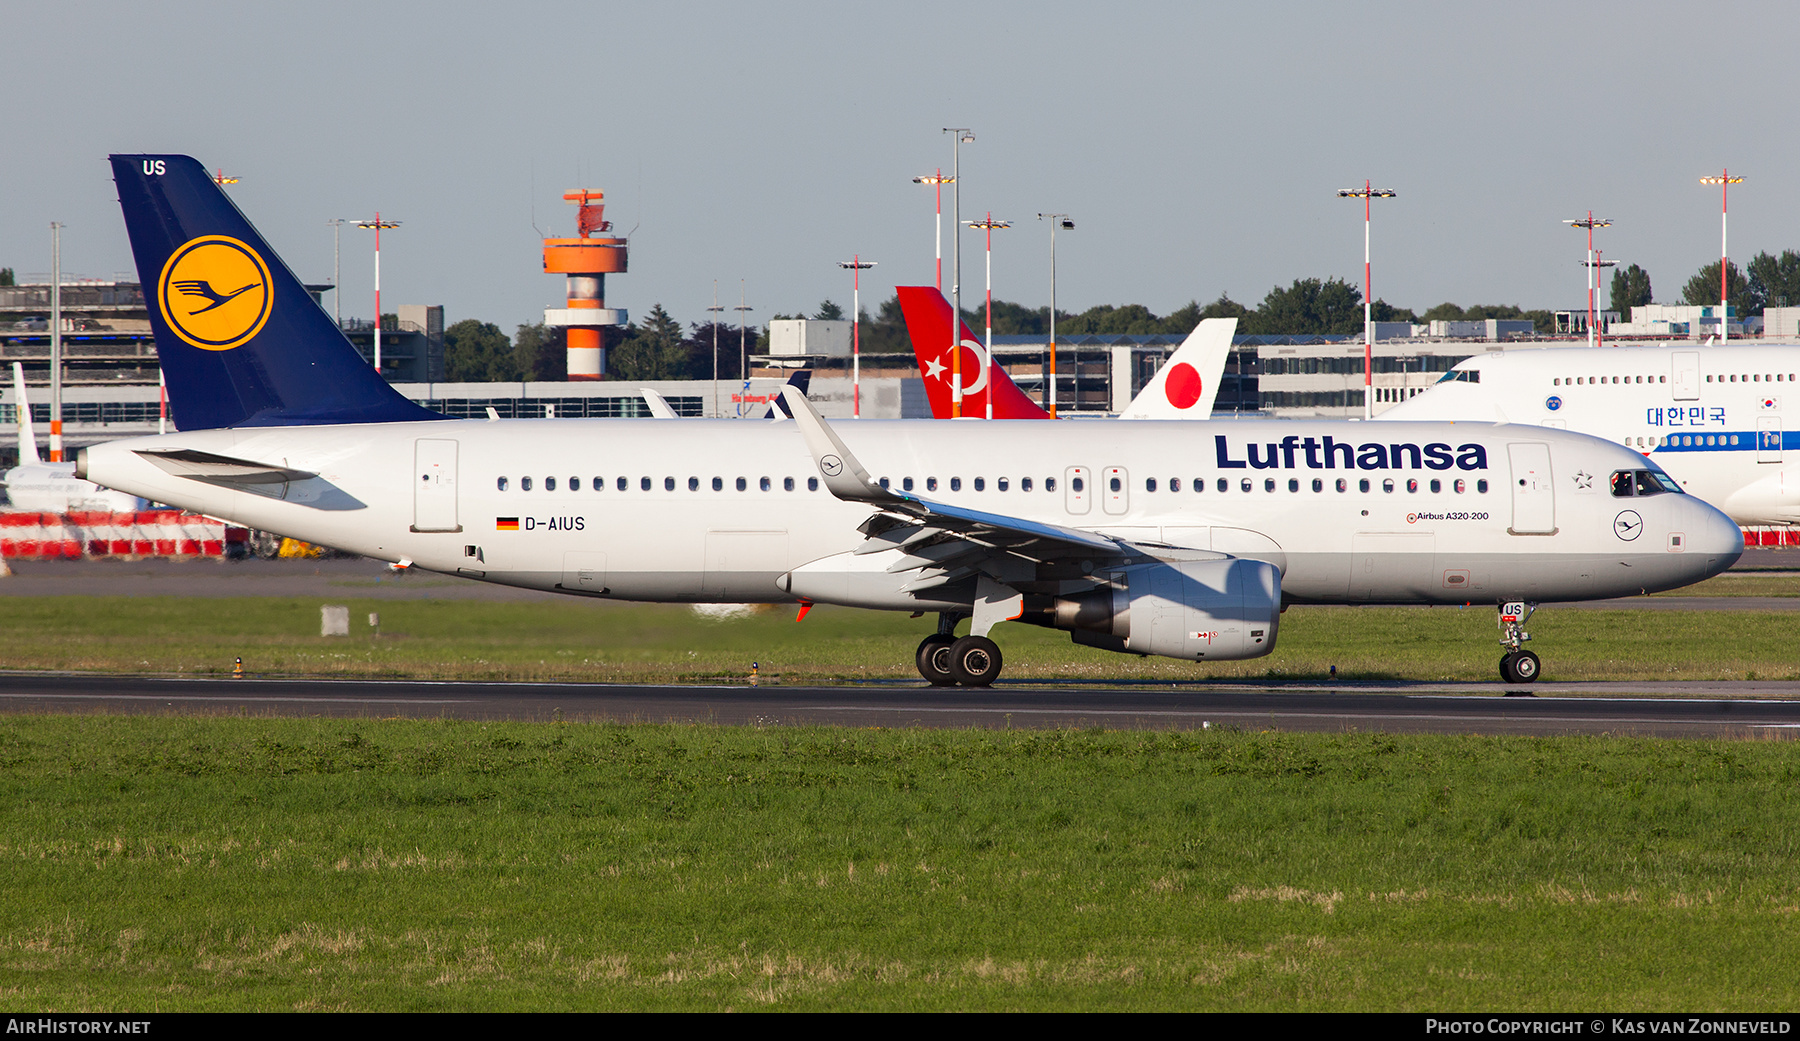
point(110, 366)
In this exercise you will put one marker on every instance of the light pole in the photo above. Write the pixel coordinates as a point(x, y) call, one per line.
point(1056, 220)
point(56, 445)
point(1590, 224)
point(377, 224)
point(743, 352)
point(718, 406)
point(956, 384)
point(1595, 337)
point(938, 180)
point(1365, 193)
point(337, 292)
point(988, 226)
point(856, 266)
point(1724, 181)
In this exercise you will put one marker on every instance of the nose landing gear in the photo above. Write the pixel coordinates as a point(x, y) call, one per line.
point(1517, 665)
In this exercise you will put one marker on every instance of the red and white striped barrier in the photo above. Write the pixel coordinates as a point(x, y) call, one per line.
point(145, 533)
point(1772, 537)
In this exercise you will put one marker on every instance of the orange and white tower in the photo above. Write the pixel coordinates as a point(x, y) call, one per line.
point(586, 260)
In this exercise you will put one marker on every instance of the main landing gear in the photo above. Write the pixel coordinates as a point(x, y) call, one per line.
point(947, 661)
point(1517, 665)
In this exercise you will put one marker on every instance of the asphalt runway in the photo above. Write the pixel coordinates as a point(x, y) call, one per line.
point(1695, 710)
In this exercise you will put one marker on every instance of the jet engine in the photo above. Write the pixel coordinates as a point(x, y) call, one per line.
point(1201, 610)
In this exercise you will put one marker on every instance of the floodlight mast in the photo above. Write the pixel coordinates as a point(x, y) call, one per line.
point(1365, 193)
point(1055, 220)
point(1592, 274)
point(988, 226)
point(856, 266)
point(937, 181)
point(961, 134)
point(376, 225)
point(718, 406)
point(1724, 181)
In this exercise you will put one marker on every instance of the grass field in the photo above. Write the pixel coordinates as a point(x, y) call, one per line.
point(167, 864)
point(598, 641)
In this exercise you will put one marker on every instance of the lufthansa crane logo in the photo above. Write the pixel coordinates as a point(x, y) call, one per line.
point(214, 293)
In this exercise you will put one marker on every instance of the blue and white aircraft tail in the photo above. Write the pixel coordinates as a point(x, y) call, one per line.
point(242, 343)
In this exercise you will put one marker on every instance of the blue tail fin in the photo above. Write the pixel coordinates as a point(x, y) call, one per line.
point(777, 407)
point(241, 341)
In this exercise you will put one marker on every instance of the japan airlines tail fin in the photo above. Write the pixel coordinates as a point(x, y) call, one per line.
point(28, 450)
point(1184, 388)
point(927, 316)
point(241, 341)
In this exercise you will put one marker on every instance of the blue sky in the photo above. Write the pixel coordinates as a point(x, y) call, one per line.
point(1198, 147)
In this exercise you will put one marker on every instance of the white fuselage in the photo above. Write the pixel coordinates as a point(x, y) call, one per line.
point(1711, 416)
point(54, 488)
point(1458, 513)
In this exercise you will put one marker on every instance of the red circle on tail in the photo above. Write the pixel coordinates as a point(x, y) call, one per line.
point(1182, 388)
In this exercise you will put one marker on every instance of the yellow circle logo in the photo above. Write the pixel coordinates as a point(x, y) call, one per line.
point(214, 293)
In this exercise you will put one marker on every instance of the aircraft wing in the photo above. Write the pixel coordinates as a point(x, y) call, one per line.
point(945, 543)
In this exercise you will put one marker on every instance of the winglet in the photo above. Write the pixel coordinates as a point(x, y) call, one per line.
point(28, 449)
point(659, 405)
point(844, 476)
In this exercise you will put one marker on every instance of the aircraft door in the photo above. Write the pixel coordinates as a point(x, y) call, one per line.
point(1533, 492)
point(1768, 439)
point(1077, 496)
point(1116, 489)
point(434, 489)
point(1685, 379)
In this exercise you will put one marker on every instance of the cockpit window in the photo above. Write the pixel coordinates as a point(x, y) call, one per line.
point(1461, 376)
point(1629, 483)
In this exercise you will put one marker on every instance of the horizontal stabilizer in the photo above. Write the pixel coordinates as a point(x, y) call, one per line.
point(221, 469)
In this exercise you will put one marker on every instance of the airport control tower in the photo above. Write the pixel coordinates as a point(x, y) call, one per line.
point(586, 260)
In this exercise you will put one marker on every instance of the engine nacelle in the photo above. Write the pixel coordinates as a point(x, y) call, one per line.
point(1201, 610)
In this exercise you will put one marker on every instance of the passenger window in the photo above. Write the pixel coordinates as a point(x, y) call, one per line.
point(1460, 486)
point(524, 484)
point(549, 484)
point(1362, 485)
point(1224, 485)
point(668, 484)
point(1049, 484)
point(693, 484)
point(1024, 484)
point(1174, 484)
point(574, 484)
point(981, 484)
point(906, 484)
point(718, 484)
point(1387, 484)
point(1116, 485)
point(1481, 486)
point(742, 484)
point(644, 483)
point(883, 482)
point(812, 484)
point(1412, 484)
point(502, 484)
point(1436, 486)
point(1246, 485)
point(931, 484)
point(621, 484)
point(956, 484)
point(765, 484)
point(1318, 485)
point(1343, 485)
point(1149, 484)
point(1293, 484)
point(787, 484)
point(1000, 484)
point(599, 484)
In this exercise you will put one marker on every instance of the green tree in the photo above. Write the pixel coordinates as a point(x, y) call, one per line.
point(541, 353)
point(1775, 281)
point(1224, 307)
point(829, 312)
point(6, 276)
point(1630, 288)
point(651, 351)
point(1703, 289)
point(1310, 305)
point(477, 352)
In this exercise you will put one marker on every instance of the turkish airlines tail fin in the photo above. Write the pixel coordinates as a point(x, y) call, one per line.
point(241, 341)
point(28, 450)
point(927, 316)
point(1184, 388)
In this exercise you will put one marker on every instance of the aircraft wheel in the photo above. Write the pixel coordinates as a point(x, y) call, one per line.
point(934, 660)
point(1525, 667)
point(975, 661)
point(1506, 668)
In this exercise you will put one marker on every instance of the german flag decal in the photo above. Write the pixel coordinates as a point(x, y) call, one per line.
point(506, 524)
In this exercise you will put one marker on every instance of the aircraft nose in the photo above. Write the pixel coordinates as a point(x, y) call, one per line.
point(1713, 534)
